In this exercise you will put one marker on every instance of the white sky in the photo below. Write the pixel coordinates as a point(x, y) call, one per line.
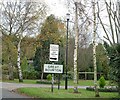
point(56, 7)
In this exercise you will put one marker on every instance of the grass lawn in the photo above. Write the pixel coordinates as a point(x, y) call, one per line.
point(62, 93)
point(26, 81)
point(70, 82)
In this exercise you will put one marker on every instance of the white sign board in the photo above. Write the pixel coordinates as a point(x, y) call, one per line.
point(54, 52)
point(53, 68)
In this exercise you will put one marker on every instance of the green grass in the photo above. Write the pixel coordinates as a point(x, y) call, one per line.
point(80, 83)
point(70, 82)
point(26, 81)
point(46, 93)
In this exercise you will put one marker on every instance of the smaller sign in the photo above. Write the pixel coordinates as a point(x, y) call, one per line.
point(54, 52)
point(53, 68)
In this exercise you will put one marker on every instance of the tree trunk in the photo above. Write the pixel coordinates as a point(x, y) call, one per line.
point(94, 52)
point(42, 75)
point(76, 51)
point(11, 72)
point(18, 64)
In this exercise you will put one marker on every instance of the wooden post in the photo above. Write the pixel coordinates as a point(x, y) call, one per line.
point(52, 83)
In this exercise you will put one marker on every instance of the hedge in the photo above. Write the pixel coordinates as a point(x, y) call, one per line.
point(103, 89)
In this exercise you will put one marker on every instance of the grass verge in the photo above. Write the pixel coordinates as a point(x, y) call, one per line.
point(46, 93)
point(62, 83)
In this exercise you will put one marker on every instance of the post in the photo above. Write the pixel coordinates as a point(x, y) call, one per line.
point(66, 78)
point(58, 81)
point(52, 82)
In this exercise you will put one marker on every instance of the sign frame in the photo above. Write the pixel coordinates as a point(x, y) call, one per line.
point(53, 68)
point(54, 52)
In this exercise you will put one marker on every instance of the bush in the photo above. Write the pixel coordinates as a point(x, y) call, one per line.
point(102, 82)
point(69, 75)
point(49, 77)
point(46, 82)
point(30, 74)
point(103, 89)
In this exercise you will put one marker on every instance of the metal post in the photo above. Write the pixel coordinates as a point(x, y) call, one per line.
point(66, 78)
point(58, 81)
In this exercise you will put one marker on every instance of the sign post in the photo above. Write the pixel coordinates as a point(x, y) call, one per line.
point(52, 82)
point(53, 68)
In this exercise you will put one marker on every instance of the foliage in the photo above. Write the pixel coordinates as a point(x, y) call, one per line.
point(102, 82)
point(28, 46)
point(28, 70)
point(103, 89)
point(114, 55)
point(20, 18)
point(37, 60)
point(49, 77)
point(51, 33)
point(24, 64)
point(30, 74)
point(85, 61)
point(69, 75)
point(45, 82)
point(9, 51)
point(5, 72)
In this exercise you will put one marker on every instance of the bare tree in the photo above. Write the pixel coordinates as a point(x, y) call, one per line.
point(94, 49)
point(76, 49)
point(20, 19)
point(112, 29)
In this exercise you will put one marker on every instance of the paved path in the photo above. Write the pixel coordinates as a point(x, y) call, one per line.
point(8, 88)
point(12, 86)
point(10, 94)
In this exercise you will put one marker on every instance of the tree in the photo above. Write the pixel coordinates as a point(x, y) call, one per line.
point(52, 32)
point(112, 37)
point(21, 18)
point(28, 47)
point(114, 62)
point(76, 49)
point(94, 49)
point(102, 60)
point(9, 54)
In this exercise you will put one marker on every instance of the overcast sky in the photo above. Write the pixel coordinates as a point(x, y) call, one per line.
point(59, 9)
point(56, 7)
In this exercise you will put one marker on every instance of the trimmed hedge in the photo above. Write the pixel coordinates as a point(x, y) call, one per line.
point(46, 82)
point(103, 89)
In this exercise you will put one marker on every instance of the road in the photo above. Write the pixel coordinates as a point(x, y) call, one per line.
point(8, 89)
